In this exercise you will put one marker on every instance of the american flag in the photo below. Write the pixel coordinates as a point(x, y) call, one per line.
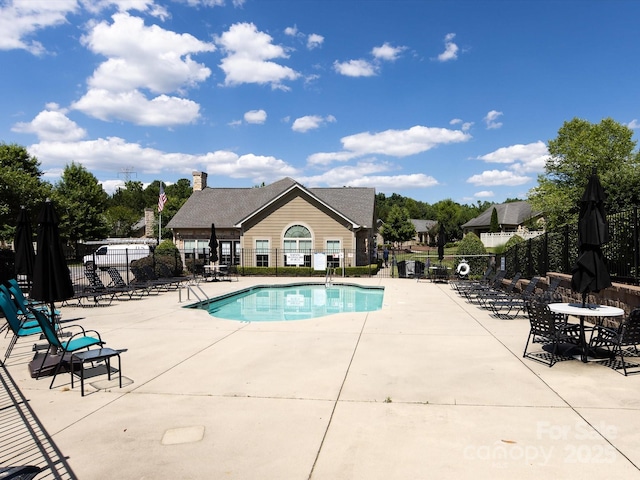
point(162, 199)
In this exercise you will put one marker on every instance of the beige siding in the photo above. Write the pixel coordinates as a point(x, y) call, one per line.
point(323, 224)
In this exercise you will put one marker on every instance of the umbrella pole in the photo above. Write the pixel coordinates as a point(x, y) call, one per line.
point(53, 350)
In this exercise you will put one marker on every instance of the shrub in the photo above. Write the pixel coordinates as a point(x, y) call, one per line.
point(512, 241)
point(163, 265)
point(472, 245)
point(168, 262)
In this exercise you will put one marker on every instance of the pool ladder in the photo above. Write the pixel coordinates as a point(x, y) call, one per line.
point(328, 278)
point(191, 288)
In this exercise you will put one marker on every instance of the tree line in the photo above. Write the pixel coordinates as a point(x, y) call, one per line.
point(87, 212)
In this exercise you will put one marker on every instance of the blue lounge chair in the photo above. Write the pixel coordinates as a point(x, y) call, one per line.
point(77, 341)
point(16, 325)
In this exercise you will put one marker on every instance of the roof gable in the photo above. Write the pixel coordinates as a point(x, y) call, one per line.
point(512, 213)
point(229, 207)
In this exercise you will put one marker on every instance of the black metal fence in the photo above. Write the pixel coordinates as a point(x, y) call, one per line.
point(557, 250)
point(277, 261)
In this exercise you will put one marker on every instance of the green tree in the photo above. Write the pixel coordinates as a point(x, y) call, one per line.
point(120, 220)
point(494, 227)
point(81, 202)
point(20, 185)
point(580, 148)
point(449, 218)
point(398, 227)
point(132, 196)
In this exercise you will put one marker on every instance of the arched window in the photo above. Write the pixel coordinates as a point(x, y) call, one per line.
point(297, 240)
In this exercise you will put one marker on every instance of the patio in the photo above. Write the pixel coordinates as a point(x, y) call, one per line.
point(428, 387)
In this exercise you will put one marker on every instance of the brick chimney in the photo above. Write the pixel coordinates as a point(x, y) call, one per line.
point(199, 181)
point(149, 218)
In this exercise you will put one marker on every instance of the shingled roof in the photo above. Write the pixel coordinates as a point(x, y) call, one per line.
point(512, 213)
point(226, 207)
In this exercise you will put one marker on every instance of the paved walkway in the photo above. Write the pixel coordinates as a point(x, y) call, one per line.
point(427, 387)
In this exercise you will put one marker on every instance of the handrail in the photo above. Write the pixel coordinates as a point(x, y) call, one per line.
point(328, 278)
point(190, 289)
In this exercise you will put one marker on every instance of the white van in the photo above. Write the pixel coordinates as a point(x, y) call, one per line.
point(116, 255)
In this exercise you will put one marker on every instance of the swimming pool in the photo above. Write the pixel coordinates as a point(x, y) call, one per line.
point(298, 301)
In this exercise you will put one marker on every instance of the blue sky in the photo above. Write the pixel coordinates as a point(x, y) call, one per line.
point(425, 98)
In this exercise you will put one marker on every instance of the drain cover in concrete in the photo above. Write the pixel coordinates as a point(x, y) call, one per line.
point(176, 436)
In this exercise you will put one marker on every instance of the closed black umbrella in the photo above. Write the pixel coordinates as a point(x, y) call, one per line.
point(23, 245)
point(51, 277)
point(590, 273)
point(213, 245)
point(441, 242)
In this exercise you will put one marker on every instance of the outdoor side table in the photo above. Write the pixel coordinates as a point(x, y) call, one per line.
point(590, 310)
point(95, 355)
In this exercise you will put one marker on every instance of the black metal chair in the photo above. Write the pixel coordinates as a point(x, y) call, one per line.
point(501, 292)
point(550, 330)
point(511, 306)
point(494, 283)
point(622, 342)
point(460, 285)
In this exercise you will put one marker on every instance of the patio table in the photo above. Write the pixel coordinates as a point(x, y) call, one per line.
point(589, 310)
point(216, 272)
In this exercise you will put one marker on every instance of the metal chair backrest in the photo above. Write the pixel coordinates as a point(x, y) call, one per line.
point(10, 311)
point(47, 328)
point(514, 281)
point(116, 278)
point(15, 289)
point(94, 279)
point(530, 288)
point(631, 329)
point(542, 319)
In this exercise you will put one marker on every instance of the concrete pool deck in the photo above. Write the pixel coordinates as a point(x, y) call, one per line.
point(428, 387)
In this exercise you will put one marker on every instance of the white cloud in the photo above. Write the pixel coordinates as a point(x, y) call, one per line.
point(52, 126)
point(113, 154)
point(325, 158)
point(141, 57)
point(527, 158)
point(21, 19)
point(387, 52)
point(111, 186)
point(291, 31)
point(355, 68)
point(633, 124)
point(148, 6)
point(311, 122)
point(314, 41)
point(484, 194)
point(450, 49)
point(395, 143)
point(367, 174)
point(498, 177)
point(402, 143)
point(255, 116)
point(134, 107)
point(249, 55)
point(464, 126)
point(491, 120)
point(144, 57)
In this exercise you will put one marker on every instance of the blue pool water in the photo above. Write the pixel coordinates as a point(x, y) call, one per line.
point(266, 303)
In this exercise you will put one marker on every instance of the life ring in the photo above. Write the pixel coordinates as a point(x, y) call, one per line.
point(463, 269)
